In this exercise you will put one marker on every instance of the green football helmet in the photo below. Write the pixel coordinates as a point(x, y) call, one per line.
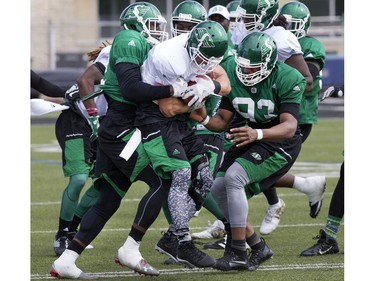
point(206, 44)
point(258, 15)
point(298, 17)
point(187, 11)
point(145, 18)
point(255, 58)
point(233, 14)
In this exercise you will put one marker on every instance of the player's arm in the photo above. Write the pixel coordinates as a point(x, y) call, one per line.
point(220, 76)
point(298, 62)
point(220, 121)
point(134, 89)
point(282, 131)
point(87, 81)
point(45, 87)
point(170, 107)
point(314, 67)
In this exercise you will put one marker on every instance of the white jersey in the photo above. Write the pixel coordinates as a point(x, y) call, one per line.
point(168, 61)
point(286, 42)
point(103, 56)
point(100, 101)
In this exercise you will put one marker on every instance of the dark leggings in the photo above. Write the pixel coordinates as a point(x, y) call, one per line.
point(336, 207)
point(109, 201)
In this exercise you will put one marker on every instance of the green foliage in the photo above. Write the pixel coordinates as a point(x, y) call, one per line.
point(294, 234)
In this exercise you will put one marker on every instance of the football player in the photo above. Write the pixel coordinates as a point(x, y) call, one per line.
point(267, 93)
point(143, 27)
point(264, 16)
point(173, 148)
point(185, 16)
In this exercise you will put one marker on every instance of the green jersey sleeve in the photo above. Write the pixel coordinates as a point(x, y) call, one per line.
point(128, 46)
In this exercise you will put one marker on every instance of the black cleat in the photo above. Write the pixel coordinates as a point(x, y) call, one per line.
point(60, 245)
point(324, 246)
point(232, 260)
point(257, 257)
point(168, 245)
point(217, 245)
point(191, 256)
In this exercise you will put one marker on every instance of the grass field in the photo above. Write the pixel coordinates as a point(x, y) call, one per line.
point(321, 154)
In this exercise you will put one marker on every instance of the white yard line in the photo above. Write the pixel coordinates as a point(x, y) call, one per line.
point(176, 271)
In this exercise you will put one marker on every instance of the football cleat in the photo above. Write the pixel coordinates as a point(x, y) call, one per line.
point(168, 245)
point(170, 261)
point(191, 256)
point(60, 245)
point(324, 246)
point(257, 257)
point(59, 270)
point(232, 260)
point(129, 255)
point(317, 185)
point(214, 231)
point(217, 245)
point(272, 218)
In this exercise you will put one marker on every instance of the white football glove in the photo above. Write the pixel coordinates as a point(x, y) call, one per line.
point(180, 88)
point(204, 86)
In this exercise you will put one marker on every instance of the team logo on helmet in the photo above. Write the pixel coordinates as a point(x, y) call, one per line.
point(267, 50)
point(140, 11)
point(204, 38)
point(262, 4)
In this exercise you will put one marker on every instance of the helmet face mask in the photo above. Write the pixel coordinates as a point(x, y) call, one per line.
point(146, 19)
point(256, 58)
point(202, 64)
point(298, 17)
point(257, 15)
point(206, 46)
point(188, 12)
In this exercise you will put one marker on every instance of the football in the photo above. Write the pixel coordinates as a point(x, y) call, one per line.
point(193, 82)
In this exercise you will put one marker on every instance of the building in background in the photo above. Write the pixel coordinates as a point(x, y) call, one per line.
point(62, 31)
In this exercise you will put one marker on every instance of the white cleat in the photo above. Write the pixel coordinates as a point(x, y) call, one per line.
point(317, 187)
point(272, 218)
point(129, 255)
point(71, 271)
point(214, 231)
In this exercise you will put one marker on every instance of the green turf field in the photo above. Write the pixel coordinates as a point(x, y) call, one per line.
point(321, 154)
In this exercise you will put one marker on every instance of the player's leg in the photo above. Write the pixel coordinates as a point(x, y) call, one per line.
point(327, 243)
point(72, 134)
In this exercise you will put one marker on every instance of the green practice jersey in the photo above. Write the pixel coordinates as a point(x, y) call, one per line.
point(312, 49)
point(260, 104)
point(129, 46)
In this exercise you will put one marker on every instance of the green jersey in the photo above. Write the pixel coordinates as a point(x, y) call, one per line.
point(261, 104)
point(314, 50)
point(129, 46)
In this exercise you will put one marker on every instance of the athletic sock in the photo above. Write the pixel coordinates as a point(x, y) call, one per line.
point(63, 228)
point(332, 226)
point(239, 245)
point(254, 241)
point(74, 223)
